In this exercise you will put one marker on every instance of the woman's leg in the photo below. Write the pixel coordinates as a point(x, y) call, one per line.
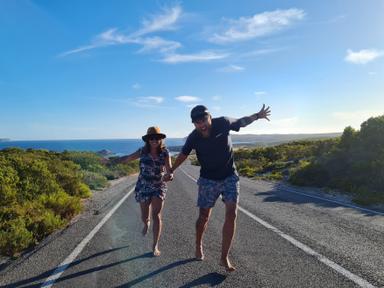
point(157, 205)
point(145, 210)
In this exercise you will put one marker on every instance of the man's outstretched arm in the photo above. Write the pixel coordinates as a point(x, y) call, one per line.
point(262, 114)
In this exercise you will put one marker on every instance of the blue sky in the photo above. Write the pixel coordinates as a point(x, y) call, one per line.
point(109, 69)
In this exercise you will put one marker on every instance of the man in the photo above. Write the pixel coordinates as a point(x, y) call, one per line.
point(218, 175)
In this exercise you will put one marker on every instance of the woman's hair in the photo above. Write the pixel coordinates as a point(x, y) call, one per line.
point(147, 147)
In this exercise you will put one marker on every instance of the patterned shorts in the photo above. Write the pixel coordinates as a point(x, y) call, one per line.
point(143, 197)
point(210, 190)
point(144, 190)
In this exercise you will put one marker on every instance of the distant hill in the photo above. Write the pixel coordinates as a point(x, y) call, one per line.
point(4, 139)
point(273, 139)
point(249, 140)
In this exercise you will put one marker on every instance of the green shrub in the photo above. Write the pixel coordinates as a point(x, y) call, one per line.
point(87, 160)
point(41, 221)
point(14, 237)
point(84, 191)
point(247, 171)
point(94, 180)
point(8, 183)
point(274, 176)
point(363, 196)
point(35, 178)
point(311, 175)
point(62, 204)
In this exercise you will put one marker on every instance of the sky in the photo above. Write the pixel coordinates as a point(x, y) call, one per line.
point(110, 69)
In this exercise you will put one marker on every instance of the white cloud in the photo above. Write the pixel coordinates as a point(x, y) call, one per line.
point(136, 86)
point(197, 57)
point(363, 56)
point(150, 101)
point(159, 44)
point(112, 37)
point(78, 50)
point(161, 22)
point(106, 38)
point(187, 99)
point(216, 98)
point(231, 69)
point(260, 52)
point(259, 93)
point(155, 99)
point(262, 24)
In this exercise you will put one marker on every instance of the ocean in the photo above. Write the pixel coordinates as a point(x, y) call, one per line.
point(116, 146)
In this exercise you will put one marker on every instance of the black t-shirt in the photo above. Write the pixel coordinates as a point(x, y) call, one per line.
point(214, 153)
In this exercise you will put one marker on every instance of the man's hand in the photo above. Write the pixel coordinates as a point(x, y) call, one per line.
point(264, 113)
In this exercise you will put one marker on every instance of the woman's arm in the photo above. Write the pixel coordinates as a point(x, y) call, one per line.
point(168, 164)
point(168, 167)
point(127, 158)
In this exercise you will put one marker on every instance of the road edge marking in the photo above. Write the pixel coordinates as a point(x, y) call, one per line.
point(294, 191)
point(356, 279)
point(64, 265)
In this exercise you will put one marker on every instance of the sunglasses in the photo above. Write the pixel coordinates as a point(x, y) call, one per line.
point(153, 138)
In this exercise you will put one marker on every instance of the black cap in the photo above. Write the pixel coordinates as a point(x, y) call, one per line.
point(199, 112)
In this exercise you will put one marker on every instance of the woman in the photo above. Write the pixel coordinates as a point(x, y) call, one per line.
point(151, 187)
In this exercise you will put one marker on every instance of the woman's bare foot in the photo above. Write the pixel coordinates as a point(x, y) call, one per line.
point(227, 265)
point(145, 228)
point(199, 253)
point(156, 251)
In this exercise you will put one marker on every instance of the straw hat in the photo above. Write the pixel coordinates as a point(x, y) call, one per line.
point(153, 131)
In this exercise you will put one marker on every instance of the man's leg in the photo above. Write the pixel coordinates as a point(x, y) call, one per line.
point(201, 226)
point(228, 233)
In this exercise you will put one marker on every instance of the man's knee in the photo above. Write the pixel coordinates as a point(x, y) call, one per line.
point(231, 212)
point(204, 215)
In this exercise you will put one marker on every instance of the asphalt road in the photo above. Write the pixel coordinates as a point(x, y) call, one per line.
point(283, 239)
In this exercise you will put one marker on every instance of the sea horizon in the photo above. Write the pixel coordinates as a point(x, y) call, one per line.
point(127, 146)
point(115, 146)
point(5, 139)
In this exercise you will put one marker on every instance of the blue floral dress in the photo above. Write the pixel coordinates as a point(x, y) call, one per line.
point(149, 182)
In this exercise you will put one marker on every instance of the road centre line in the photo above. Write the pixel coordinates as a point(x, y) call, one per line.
point(356, 279)
point(64, 265)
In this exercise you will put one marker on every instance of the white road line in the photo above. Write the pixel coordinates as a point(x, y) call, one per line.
point(64, 265)
point(358, 280)
point(291, 190)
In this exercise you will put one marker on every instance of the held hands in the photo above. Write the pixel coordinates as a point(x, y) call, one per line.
point(168, 177)
point(264, 113)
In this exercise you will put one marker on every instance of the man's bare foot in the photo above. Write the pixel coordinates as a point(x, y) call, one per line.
point(227, 265)
point(156, 251)
point(199, 253)
point(145, 229)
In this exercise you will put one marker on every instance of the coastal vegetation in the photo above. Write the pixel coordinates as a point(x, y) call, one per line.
point(40, 191)
point(352, 163)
